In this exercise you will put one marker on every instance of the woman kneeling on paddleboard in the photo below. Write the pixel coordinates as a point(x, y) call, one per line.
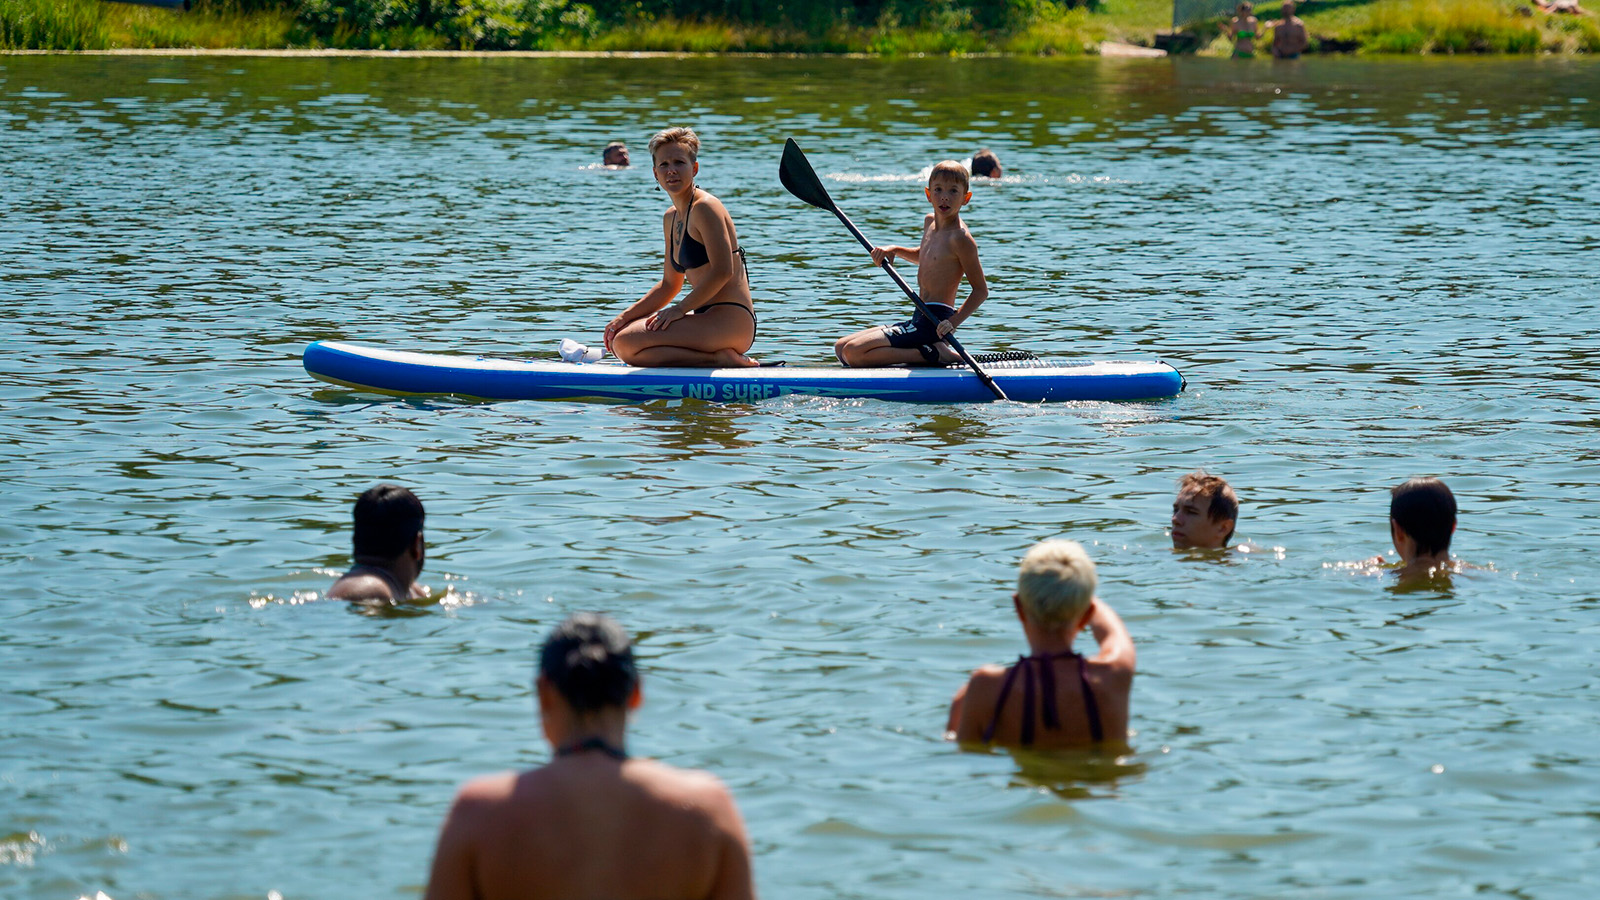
point(715, 324)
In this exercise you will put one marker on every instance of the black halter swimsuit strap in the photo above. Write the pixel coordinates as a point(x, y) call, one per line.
point(1000, 702)
point(1047, 690)
point(593, 743)
point(1091, 707)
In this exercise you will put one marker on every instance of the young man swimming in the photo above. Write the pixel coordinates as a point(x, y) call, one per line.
point(1204, 512)
point(387, 540)
point(946, 254)
point(1065, 700)
point(1422, 519)
point(593, 822)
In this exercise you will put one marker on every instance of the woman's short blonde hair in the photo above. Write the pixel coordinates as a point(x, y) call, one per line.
point(1057, 583)
point(684, 136)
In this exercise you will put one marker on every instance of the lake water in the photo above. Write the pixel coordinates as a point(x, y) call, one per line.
point(1366, 270)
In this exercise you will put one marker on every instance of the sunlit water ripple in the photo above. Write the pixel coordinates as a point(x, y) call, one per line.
point(1367, 271)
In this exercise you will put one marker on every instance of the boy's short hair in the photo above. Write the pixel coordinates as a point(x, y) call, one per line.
point(588, 660)
point(953, 170)
point(387, 519)
point(1224, 503)
point(684, 136)
point(985, 162)
point(1056, 583)
point(1425, 510)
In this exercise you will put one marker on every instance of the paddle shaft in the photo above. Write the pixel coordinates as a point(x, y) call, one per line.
point(888, 266)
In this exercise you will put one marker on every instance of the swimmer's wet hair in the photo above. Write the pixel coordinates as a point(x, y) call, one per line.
point(1056, 583)
point(614, 145)
point(1224, 502)
point(1425, 509)
point(588, 660)
point(684, 136)
point(388, 519)
point(985, 163)
point(950, 169)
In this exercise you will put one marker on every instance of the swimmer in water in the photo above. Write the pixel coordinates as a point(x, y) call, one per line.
point(594, 821)
point(615, 155)
point(1422, 520)
point(1204, 512)
point(1063, 699)
point(388, 548)
point(985, 164)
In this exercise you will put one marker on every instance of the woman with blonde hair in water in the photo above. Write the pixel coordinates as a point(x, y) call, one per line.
point(715, 323)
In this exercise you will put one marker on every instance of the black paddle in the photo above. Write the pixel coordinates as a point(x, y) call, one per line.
point(797, 175)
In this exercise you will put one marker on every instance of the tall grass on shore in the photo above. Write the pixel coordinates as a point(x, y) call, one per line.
point(210, 24)
point(58, 25)
point(93, 25)
point(1459, 26)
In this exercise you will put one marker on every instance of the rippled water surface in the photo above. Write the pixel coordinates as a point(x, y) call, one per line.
point(1367, 271)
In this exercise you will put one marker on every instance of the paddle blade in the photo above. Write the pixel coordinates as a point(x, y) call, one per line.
point(797, 175)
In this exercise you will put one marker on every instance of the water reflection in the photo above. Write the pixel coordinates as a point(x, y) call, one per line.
point(1077, 774)
point(688, 426)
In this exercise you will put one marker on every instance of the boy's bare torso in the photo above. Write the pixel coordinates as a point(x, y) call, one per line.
point(939, 270)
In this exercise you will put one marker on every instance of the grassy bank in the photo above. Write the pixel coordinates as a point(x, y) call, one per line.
point(1435, 26)
point(1022, 27)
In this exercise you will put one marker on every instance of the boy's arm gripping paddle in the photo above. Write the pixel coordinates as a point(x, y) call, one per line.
point(797, 175)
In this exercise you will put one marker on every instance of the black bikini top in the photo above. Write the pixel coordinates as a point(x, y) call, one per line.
point(1047, 684)
point(593, 743)
point(691, 253)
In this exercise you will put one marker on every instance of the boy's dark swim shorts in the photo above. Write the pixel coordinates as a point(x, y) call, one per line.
point(919, 331)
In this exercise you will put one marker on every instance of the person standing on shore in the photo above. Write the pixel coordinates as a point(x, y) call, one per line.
point(594, 822)
point(1242, 30)
point(1288, 34)
point(388, 555)
point(716, 323)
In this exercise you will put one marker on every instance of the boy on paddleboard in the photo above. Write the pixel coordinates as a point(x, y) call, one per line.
point(1053, 697)
point(946, 254)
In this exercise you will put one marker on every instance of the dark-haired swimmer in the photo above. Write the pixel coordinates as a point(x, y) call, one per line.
point(615, 155)
point(1422, 520)
point(594, 822)
point(716, 323)
point(1053, 697)
point(388, 553)
point(985, 164)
